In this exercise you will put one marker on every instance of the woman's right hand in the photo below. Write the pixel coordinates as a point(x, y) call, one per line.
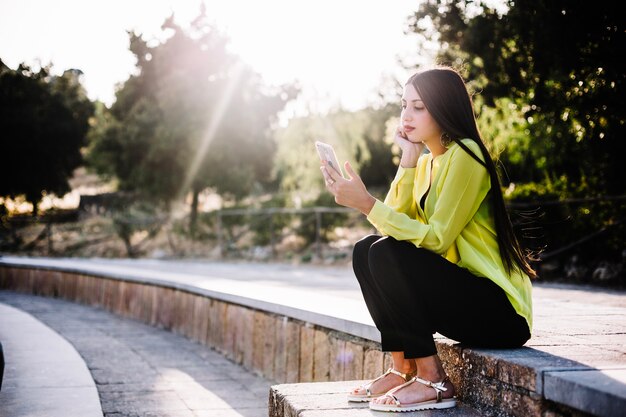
point(411, 151)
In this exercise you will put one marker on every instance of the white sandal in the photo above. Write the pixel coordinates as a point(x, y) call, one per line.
point(362, 398)
point(437, 403)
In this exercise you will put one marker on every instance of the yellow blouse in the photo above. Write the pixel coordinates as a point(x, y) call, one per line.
point(456, 221)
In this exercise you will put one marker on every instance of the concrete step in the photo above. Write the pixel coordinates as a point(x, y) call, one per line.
point(328, 399)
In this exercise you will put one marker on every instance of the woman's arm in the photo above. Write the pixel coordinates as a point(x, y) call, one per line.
point(464, 187)
point(352, 192)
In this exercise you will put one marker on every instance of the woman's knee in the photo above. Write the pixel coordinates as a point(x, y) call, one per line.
point(383, 254)
point(388, 250)
point(388, 257)
point(362, 247)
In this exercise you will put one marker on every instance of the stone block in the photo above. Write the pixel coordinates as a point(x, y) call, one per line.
point(517, 374)
point(337, 349)
point(136, 301)
point(164, 303)
point(70, 286)
point(248, 338)
point(259, 341)
point(321, 356)
point(187, 317)
point(80, 289)
point(387, 361)
point(146, 303)
point(373, 364)
point(222, 313)
point(200, 318)
point(178, 311)
point(122, 306)
point(88, 289)
point(269, 346)
point(152, 293)
point(307, 351)
point(213, 330)
point(108, 294)
point(353, 367)
point(239, 317)
point(46, 286)
point(519, 404)
point(280, 350)
point(292, 338)
point(99, 287)
point(230, 333)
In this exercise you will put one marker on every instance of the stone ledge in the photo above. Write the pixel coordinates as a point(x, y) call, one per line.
point(288, 344)
point(344, 323)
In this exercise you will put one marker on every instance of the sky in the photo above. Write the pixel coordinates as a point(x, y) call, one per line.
point(338, 51)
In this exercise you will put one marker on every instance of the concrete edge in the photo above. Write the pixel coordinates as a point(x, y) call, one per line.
point(47, 385)
point(594, 391)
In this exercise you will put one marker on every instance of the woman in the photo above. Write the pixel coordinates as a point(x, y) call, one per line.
point(449, 261)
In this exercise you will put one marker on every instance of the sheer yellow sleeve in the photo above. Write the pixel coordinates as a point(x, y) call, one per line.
point(463, 185)
point(400, 195)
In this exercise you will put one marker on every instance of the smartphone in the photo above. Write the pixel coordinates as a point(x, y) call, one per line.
point(327, 153)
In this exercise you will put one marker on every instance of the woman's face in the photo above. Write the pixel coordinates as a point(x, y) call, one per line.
point(417, 123)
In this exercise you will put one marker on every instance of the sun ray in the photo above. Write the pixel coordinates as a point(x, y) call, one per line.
point(213, 125)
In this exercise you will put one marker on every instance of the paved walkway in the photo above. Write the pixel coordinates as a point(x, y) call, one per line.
point(140, 371)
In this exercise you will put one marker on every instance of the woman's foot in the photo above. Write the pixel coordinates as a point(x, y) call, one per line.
point(416, 393)
point(379, 386)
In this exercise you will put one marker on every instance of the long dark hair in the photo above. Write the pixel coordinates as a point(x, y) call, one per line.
point(445, 95)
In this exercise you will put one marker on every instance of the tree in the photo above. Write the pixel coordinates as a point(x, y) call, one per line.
point(549, 81)
point(561, 65)
point(44, 121)
point(360, 137)
point(194, 116)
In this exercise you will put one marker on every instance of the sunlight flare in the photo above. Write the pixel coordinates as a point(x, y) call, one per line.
point(214, 124)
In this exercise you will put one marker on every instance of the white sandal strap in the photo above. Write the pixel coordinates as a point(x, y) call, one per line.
point(367, 387)
point(369, 384)
point(437, 386)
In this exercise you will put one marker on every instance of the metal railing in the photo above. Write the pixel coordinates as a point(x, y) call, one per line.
point(270, 213)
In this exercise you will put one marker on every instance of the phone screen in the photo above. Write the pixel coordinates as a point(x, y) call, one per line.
point(327, 153)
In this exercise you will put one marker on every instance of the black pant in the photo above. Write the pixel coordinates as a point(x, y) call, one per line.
point(412, 293)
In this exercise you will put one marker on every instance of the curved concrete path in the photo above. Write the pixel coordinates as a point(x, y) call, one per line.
point(139, 370)
point(44, 376)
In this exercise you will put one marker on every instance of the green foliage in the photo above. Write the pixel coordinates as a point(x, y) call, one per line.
point(194, 116)
point(557, 217)
point(358, 137)
point(558, 62)
point(505, 132)
point(44, 121)
point(548, 84)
